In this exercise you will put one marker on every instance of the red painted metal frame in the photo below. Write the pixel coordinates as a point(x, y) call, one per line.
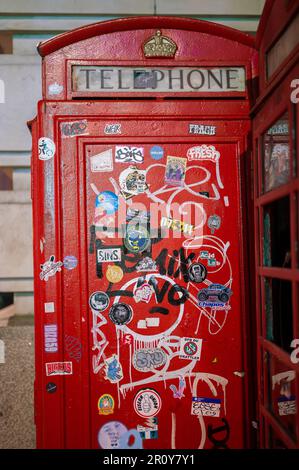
point(57, 53)
point(273, 101)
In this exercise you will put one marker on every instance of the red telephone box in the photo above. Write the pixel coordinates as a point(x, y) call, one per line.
point(140, 202)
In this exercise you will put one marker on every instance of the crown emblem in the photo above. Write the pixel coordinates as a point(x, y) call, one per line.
point(159, 46)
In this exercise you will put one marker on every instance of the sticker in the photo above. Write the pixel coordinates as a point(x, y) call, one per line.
point(175, 171)
point(55, 89)
point(143, 293)
point(138, 216)
point(46, 148)
point(114, 274)
point(51, 338)
point(150, 430)
point(137, 239)
point(197, 272)
point(113, 369)
point(108, 255)
point(59, 368)
point(73, 347)
point(132, 182)
point(214, 222)
point(286, 406)
point(49, 307)
point(71, 129)
point(106, 405)
point(206, 406)
point(146, 360)
point(177, 225)
point(51, 387)
point(218, 291)
point(146, 264)
point(102, 161)
point(50, 268)
point(110, 433)
point(147, 403)
point(157, 152)
point(120, 313)
point(107, 201)
point(148, 322)
point(111, 129)
point(129, 154)
point(70, 262)
point(201, 129)
point(203, 152)
point(190, 348)
point(178, 392)
point(215, 305)
point(99, 301)
point(210, 257)
point(2, 352)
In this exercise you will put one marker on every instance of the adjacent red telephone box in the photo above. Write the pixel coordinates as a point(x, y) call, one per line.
point(141, 209)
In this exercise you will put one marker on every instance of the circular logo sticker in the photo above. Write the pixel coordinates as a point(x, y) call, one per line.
point(99, 301)
point(110, 433)
point(190, 348)
point(108, 201)
point(51, 387)
point(46, 148)
point(114, 274)
point(70, 262)
point(147, 403)
point(120, 314)
point(106, 404)
point(157, 152)
point(137, 239)
point(197, 272)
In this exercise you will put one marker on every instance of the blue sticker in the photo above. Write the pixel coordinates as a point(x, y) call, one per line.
point(108, 201)
point(70, 262)
point(126, 437)
point(157, 152)
point(137, 239)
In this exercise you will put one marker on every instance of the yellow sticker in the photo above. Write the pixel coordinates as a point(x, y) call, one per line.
point(106, 404)
point(114, 274)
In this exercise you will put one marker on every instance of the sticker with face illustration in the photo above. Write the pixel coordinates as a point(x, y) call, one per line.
point(120, 314)
point(132, 182)
point(175, 171)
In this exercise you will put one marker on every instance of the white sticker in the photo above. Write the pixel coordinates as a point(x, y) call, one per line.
point(111, 129)
point(51, 338)
point(129, 154)
point(206, 406)
point(55, 89)
point(108, 255)
point(59, 368)
point(49, 307)
point(190, 348)
point(286, 407)
point(102, 161)
point(46, 148)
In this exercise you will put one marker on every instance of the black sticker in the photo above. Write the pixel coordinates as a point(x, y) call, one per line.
point(99, 301)
point(197, 272)
point(51, 387)
point(121, 314)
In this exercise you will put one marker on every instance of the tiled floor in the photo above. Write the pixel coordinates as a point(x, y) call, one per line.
point(17, 429)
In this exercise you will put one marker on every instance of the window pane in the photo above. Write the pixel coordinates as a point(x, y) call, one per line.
point(277, 240)
point(279, 312)
point(277, 154)
point(5, 179)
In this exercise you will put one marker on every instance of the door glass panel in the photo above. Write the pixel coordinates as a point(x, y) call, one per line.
point(277, 154)
point(279, 312)
point(283, 395)
point(277, 242)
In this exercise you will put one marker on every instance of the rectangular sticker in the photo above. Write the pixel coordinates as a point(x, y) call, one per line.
point(49, 307)
point(206, 406)
point(190, 348)
point(108, 255)
point(175, 171)
point(286, 406)
point(127, 154)
point(102, 161)
point(59, 368)
point(51, 338)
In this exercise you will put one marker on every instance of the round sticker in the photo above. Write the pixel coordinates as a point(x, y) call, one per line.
point(190, 348)
point(110, 433)
point(157, 152)
point(108, 201)
point(197, 272)
point(121, 314)
point(51, 387)
point(114, 274)
point(147, 403)
point(99, 301)
point(106, 404)
point(70, 262)
point(137, 239)
point(46, 148)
